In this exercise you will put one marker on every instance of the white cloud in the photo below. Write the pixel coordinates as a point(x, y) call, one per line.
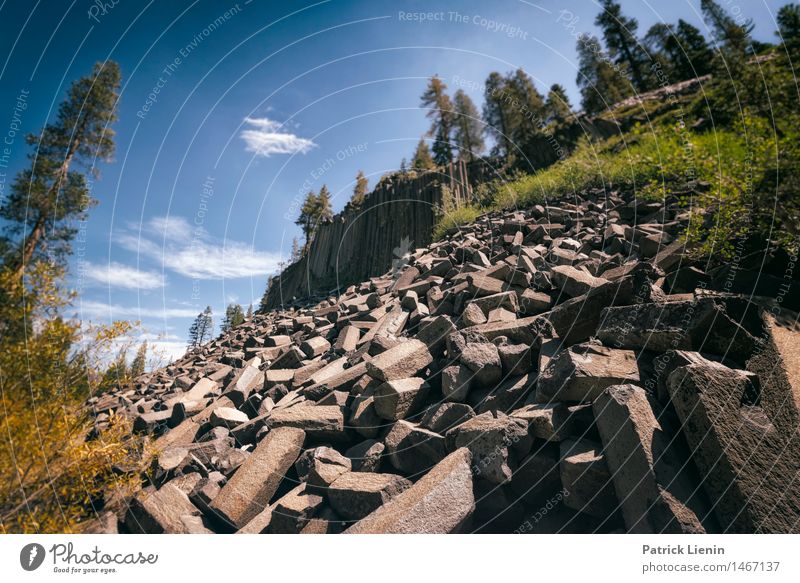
point(266, 138)
point(115, 274)
point(195, 254)
point(173, 228)
point(90, 309)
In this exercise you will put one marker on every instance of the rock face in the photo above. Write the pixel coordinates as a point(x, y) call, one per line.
point(566, 357)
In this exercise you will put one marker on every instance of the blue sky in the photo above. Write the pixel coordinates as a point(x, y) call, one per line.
point(230, 111)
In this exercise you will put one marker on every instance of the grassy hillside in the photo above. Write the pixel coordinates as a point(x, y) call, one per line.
point(734, 172)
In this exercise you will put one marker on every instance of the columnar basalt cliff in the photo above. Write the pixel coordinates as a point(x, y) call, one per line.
point(397, 217)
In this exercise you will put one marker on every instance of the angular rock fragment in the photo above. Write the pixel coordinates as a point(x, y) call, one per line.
point(403, 361)
point(252, 486)
point(354, 495)
point(227, 417)
point(586, 479)
point(491, 438)
point(320, 467)
point(400, 398)
point(318, 421)
point(444, 416)
point(413, 450)
point(747, 462)
point(483, 360)
point(456, 382)
point(292, 512)
point(647, 477)
point(439, 503)
point(366, 456)
point(583, 371)
point(167, 510)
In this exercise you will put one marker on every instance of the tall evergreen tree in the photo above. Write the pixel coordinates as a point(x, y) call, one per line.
point(619, 34)
point(233, 317)
point(440, 112)
point(731, 37)
point(499, 116)
point(422, 157)
point(249, 314)
point(49, 196)
point(468, 134)
point(557, 106)
point(296, 252)
point(359, 191)
point(308, 216)
point(789, 26)
point(685, 52)
point(528, 103)
point(202, 329)
point(139, 361)
point(324, 209)
point(601, 86)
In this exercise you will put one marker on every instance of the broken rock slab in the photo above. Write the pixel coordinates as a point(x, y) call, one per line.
point(400, 398)
point(441, 502)
point(583, 371)
point(748, 464)
point(402, 361)
point(490, 437)
point(647, 479)
point(167, 511)
point(250, 489)
point(294, 510)
point(586, 479)
point(354, 495)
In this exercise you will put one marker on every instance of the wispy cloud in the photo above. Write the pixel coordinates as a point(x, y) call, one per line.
point(115, 274)
point(193, 253)
point(91, 309)
point(267, 137)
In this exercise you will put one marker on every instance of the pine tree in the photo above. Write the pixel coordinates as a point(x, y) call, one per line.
point(47, 198)
point(468, 134)
point(296, 253)
point(600, 85)
point(403, 166)
point(557, 106)
point(139, 361)
point(530, 104)
point(501, 116)
point(440, 112)
point(359, 191)
point(789, 26)
point(249, 315)
point(682, 49)
point(324, 210)
point(233, 317)
point(117, 374)
point(308, 218)
point(619, 33)
point(731, 37)
point(202, 329)
point(422, 157)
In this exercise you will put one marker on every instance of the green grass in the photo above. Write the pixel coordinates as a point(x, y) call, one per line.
point(737, 180)
point(455, 218)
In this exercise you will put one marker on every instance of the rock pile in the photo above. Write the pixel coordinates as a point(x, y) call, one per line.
point(560, 369)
